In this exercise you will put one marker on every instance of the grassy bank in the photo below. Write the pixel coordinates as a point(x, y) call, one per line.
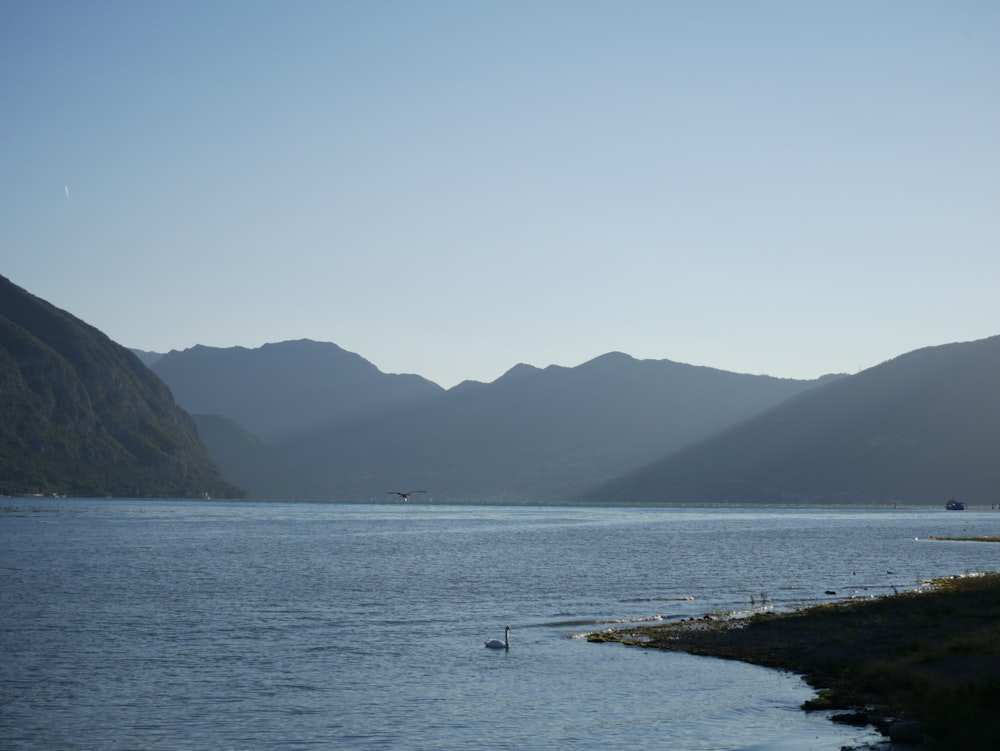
point(967, 539)
point(932, 656)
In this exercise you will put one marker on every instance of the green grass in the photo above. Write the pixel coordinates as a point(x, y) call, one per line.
point(967, 539)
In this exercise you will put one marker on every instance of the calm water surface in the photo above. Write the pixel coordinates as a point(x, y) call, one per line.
point(183, 625)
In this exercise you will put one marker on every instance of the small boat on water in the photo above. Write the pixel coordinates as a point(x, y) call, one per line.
point(954, 505)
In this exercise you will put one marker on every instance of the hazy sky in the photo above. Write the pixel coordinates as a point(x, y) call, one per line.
point(450, 188)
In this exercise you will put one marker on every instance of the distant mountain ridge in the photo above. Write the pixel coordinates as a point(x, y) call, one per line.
point(281, 390)
point(533, 434)
point(916, 429)
point(538, 434)
point(82, 415)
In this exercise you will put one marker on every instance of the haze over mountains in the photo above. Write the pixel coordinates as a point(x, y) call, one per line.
point(533, 434)
point(917, 429)
point(279, 391)
point(545, 433)
point(920, 428)
point(309, 420)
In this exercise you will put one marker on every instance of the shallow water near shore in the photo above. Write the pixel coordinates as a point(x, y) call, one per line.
point(189, 625)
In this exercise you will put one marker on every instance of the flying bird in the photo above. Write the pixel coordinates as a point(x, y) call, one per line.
point(66, 188)
point(405, 496)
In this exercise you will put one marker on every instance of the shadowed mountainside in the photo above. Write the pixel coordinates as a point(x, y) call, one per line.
point(250, 463)
point(916, 429)
point(147, 358)
point(534, 434)
point(82, 415)
point(281, 390)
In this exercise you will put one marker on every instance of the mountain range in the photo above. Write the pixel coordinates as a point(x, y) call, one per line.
point(533, 434)
point(309, 420)
point(916, 429)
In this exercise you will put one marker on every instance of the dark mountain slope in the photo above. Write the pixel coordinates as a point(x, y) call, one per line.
point(148, 358)
point(539, 435)
point(82, 415)
point(916, 429)
point(281, 390)
point(250, 463)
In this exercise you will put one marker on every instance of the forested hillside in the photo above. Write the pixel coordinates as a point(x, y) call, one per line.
point(83, 416)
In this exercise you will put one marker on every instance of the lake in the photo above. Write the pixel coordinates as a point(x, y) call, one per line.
point(136, 624)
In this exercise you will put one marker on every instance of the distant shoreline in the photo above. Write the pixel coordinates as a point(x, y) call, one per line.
point(931, 658)
point(965, 539)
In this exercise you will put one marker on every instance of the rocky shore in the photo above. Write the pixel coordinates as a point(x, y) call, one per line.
point(923, 667)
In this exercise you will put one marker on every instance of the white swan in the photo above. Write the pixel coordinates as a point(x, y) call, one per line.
point(497, 644)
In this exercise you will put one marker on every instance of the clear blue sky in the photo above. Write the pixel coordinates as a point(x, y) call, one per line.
point(450, 188)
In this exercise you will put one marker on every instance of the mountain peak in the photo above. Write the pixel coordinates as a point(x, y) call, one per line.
point(915, 429)
point(286, 388)
point(520, 370)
